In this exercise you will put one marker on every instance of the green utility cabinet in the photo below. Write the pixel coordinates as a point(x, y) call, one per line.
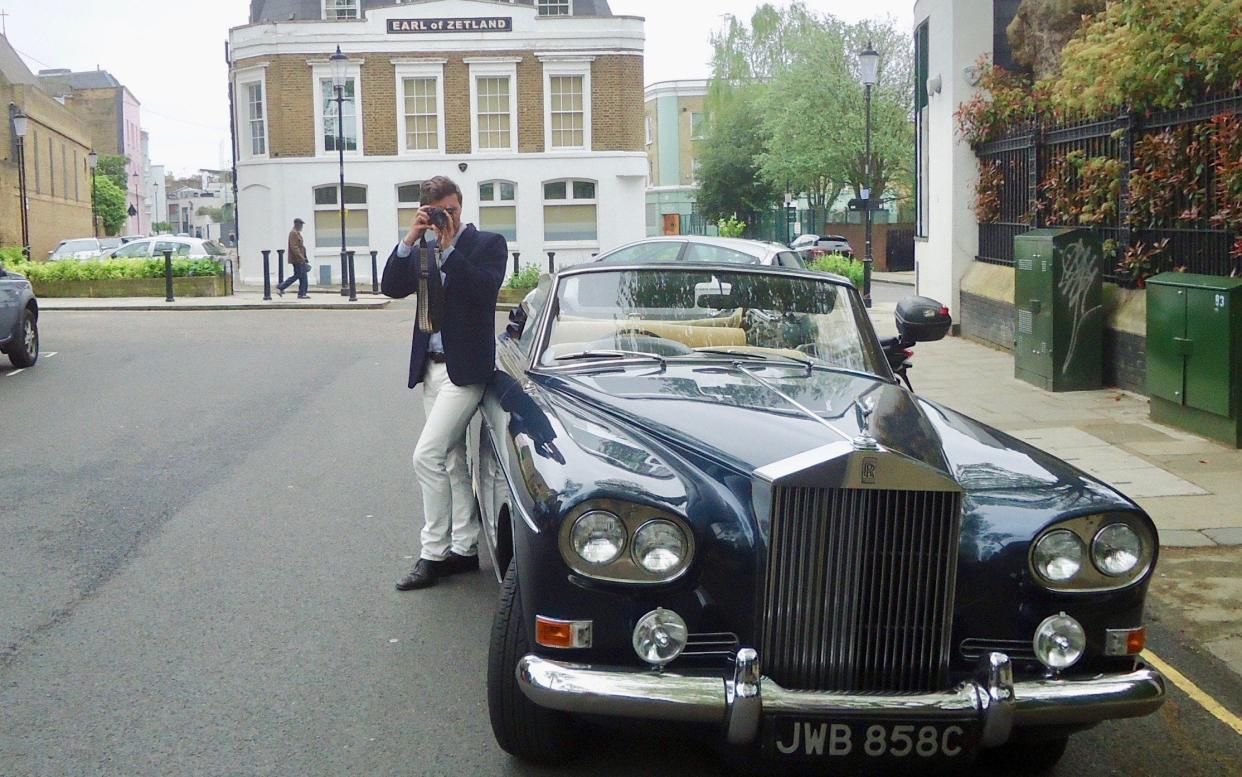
point(1058, 301)
point(1194, 353)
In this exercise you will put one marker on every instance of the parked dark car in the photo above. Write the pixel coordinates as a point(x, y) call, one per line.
point(723, 509)
point(812, 247)
point(19, 319)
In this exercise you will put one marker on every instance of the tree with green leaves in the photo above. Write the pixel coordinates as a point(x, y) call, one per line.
point(729, 154)
point(221, 215)
point(114, 168)
point(799, 71)
point(111, 204)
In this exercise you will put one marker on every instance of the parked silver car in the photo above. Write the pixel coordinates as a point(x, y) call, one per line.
point(75, 249)
point(19, 319)
point(182, 247)
point(695, 248)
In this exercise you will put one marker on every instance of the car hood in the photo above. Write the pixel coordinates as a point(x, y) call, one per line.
point(719, 410)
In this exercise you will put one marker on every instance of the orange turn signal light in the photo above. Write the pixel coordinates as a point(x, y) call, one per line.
point(555, 633)
point(1137, 641)
point(1125, 642)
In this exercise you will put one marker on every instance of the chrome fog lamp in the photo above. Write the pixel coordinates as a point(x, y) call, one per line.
point(1116, 549)
point(598, 537)
point(660, 546)
point(1059, 642)
point(1057, 556)
point(660, 636)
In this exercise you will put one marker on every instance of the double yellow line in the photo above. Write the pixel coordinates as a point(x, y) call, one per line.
point(1195, 692)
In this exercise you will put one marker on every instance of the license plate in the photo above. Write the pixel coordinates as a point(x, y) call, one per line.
point(855, 738)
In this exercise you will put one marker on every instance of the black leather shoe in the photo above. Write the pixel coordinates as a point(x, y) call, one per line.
point(456, 564)
point(423, 575)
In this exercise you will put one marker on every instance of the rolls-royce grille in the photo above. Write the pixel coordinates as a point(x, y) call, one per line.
point(858, 589)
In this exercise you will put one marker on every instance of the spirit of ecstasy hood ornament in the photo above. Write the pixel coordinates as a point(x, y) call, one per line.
point(863, 409)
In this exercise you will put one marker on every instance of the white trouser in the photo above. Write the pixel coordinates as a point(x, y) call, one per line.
point(449, 518)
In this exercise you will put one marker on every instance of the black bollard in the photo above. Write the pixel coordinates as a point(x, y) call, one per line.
point(552, 261)
point(267, 276)
point(280, 265)
point(168, 290)
point(375, 272)
point(353, 286)
point(516, 254)
point(344, 273)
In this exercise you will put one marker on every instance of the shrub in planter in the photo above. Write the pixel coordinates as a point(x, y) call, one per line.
point(110, 269)
point(525, 278)
point(840, 265)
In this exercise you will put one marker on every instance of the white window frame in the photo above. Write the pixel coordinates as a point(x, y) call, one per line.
point(545, 203)
point(404, 227)
point(249, 120)
point(496, 202)
point(335, 248)
point(423, 68)
point(696, 133)
point(493, 67)
point(544, 6)
point(574, 65)
point(323, 6)
point(321, 70)
point(650, 125)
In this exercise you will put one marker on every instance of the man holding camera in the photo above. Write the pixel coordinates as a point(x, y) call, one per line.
point(456, 273)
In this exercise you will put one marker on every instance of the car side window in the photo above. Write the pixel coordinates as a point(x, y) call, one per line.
point(165, 245)
point(656, 251)
point(183, 249)
point(533, 307)
point(132, 250)
point(704, 252)
point(789, 259)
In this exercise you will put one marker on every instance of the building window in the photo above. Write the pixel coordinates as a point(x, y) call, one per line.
point(921, 168)
point(554, 7)
point(498, 208)
point(328, 218)
point(422, 123)
point(494, 113)
point(569, 213)
point(348, 126)
point(650, 131)
point(696, 125)
point(258, 123)
point(340, 9)
point(409, 197)
point(694, 171)
point(566, 111)
point(51, 166)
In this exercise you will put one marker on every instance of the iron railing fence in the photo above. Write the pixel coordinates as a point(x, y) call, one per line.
point(1037, 173)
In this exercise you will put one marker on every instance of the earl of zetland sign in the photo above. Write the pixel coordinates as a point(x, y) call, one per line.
point(480, 24)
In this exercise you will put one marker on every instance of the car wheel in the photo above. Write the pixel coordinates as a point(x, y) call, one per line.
point(24, 351)
point(1024, 758)
point(521, 727)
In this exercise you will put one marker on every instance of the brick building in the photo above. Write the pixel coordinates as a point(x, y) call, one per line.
point(112, 116)
point(58, 183)
point(534, 108)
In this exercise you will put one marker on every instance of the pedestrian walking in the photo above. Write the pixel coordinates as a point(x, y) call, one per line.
point(297, 258)
point(456, 272)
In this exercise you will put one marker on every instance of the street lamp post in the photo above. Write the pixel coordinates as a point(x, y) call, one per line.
point(19, 132)
point(92, 160)
point(339, 63)
point(869, 60)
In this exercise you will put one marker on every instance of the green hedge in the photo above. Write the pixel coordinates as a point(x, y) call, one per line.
point(840, 265)
point(106, 269)
point(525, 278)
point(11, 255)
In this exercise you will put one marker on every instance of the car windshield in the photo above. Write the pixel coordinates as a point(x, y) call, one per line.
point(74, 246)
point(748, 315)
point(107, 243)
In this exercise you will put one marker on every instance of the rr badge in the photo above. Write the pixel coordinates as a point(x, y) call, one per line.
point(869, 467)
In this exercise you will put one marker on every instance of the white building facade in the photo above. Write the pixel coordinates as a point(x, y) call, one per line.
point(535, 110)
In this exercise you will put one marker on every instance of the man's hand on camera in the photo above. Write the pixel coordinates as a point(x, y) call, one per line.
point(446, 237)
point(418, 227)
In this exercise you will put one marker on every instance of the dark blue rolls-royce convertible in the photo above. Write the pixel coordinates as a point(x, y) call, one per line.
point(711, 501)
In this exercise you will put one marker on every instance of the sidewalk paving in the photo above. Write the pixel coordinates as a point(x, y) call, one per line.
point(897, 278)
point(1191, 487)
point(245, 298)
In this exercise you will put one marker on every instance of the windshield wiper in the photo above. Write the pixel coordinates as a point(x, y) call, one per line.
point(807, 363)
point(612, 354)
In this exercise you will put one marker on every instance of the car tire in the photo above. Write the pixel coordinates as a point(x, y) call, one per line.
point(1024, 757)
point(522, 728)
point(24, 350)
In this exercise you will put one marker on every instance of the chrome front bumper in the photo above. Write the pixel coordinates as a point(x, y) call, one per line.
point(738, 703)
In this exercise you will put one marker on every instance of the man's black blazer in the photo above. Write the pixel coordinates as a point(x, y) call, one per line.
point(473, 274)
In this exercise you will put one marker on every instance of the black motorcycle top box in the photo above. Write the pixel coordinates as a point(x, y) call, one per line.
point(922, 319)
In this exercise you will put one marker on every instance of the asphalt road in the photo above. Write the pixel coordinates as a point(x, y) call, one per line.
point(201, 519)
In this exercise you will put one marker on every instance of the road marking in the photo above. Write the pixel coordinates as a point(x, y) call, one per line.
point(1195, 692)
point(14, 372)
point(49, 354)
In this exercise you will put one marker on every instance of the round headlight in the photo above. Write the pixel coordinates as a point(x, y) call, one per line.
point(659, 546)
point(1058, 555)
point(1116, 549)
point(1059, 642)
point(598, 537)
point(660, 636)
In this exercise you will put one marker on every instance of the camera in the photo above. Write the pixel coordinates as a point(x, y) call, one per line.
point(438, 217)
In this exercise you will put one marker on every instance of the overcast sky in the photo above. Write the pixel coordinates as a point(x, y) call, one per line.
point(171, 54)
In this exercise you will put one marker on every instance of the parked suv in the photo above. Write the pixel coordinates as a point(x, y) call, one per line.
point(19, 319)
